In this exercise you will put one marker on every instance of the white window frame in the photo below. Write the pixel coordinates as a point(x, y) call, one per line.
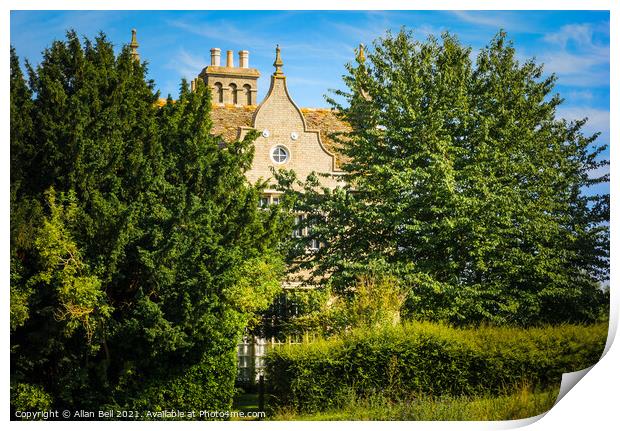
point(298, 232)
point(283, 148)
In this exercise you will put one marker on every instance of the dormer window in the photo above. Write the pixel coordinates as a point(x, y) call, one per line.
point(279, 154)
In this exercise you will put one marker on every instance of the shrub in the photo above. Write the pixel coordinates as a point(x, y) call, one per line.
point(374, 301)
point(27, 397)
point(207, 385)
point(428, 359)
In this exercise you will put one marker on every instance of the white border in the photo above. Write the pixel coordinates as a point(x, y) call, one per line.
point(592, 404)
point(315, 5)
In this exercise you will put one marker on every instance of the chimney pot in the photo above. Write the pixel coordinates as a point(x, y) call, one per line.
point(215, 56)
point(229, 58)
point(244, 59)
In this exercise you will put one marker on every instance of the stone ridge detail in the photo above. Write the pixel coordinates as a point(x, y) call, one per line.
point(230, 71)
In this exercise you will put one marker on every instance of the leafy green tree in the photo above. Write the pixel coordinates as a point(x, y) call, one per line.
point(138, 251)
point(463, 183)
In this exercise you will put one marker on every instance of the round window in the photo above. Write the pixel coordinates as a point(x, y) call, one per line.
point(279, 154)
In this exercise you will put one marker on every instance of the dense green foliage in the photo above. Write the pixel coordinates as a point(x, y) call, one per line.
point(428, 359)
point(463, 184)
point(377, 302)
point(138, 252)
point(32, 398)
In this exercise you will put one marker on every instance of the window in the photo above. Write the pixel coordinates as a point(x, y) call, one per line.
point(303, 229)
point(267, 200)
point(247, 92)
point(219, 92)
point(298, 230)
point(233, 93)
point(314, 244)
point(279, 154)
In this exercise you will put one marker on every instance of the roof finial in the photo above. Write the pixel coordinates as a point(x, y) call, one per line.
point(278, 63)
point(134, 46)
point(361, 56)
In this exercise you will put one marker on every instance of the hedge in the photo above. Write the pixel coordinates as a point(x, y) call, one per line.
point(429, 359)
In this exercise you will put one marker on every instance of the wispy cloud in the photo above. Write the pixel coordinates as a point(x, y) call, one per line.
point(187, 65)
point(579, 34)
point(580, 95)
point(506, 20)
point(576, 56)
point(373, 24)
point(220, 30)
point(225, 31)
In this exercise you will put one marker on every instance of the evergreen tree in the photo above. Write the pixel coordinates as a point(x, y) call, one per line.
point(138, 251)
point(21, 152)
point(462, 181)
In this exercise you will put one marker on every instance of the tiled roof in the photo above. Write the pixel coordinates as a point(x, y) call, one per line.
point(329, 124)
point(228, 118)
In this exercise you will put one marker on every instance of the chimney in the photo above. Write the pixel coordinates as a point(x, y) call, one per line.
point(215, 56)
point(229, 59)
point(244, 59)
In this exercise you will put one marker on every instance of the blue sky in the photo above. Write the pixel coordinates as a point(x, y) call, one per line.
point(316, 44)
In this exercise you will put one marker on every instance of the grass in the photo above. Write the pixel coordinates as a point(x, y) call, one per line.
point(245, 402)
point(522, 403)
